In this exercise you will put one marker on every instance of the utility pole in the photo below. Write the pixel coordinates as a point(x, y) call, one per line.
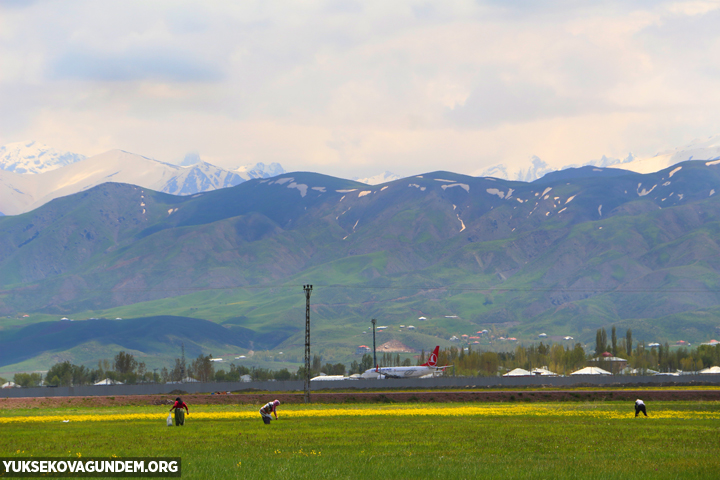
point(308, 290)
point(374, 356)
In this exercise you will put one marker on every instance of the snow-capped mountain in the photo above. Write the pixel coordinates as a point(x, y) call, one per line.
point(607, 162)
point(259, 170)
point(535, 170)
point(34, 157)
point(247, 172)
point(201, 177)
point(22, 193)
point(378, 179)
point(701, 149)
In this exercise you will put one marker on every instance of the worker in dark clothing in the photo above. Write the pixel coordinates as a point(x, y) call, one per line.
point(179, 414)
point(640, 407)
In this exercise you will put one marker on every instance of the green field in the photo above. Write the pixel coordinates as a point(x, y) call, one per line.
point(599, 440)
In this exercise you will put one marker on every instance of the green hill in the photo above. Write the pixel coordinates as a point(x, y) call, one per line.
point(574, 251)
point(153, 336)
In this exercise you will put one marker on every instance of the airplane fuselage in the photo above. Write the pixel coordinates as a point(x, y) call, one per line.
point(399, 372)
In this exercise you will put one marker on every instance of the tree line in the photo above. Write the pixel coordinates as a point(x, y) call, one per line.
point(557, 358)
point(126, 369)
point(660, 358)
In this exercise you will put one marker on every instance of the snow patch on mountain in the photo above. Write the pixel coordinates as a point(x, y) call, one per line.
point(464, 186)
point(34, 157)
point(300, 186)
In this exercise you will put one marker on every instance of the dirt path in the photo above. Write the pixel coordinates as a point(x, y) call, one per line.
point(368, 397)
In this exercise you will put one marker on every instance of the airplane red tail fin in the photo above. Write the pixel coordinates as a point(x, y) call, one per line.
point(433, 358)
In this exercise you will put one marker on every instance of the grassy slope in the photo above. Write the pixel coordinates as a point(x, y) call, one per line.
point(388, 446)
point(514, 269)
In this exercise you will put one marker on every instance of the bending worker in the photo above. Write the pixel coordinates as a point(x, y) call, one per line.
point(640, 407)
point(267, 409)
point(179, 414)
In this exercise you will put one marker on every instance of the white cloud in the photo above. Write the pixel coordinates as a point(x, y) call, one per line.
point(356, 88)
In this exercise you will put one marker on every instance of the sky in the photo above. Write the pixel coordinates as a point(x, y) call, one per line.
point(354, 88)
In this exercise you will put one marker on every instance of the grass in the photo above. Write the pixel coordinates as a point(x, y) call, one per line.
point(581, 440)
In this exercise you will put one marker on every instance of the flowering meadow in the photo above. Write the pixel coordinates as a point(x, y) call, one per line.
point(457, 440)
point(544, 410)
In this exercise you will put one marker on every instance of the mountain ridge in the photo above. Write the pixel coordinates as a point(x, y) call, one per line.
point(34, 157)
point(21, 193)
point(567, 254)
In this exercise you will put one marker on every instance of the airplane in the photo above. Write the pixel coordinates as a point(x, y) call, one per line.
point(428, 368)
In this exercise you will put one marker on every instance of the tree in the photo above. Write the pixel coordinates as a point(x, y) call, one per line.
point(614, 341)
point(141, 370)
point(27, 379)
point(202, 368)
point(600, 341)
point(577, 358)
point(316, 365)
point(176, 374)
point(124, 363)
point(366, 363)
point(628, 341)
point(60, 374)
point(182, 365)
point(355, 367)
point(489, 362)
point(283, 374)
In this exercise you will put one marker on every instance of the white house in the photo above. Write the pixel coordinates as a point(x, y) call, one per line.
point(518, 372)
point(591, 371)
point(107, 381)
point(543, 371)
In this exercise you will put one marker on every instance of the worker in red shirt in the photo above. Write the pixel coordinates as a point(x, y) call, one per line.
point(179, 414)
point(267, 409)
